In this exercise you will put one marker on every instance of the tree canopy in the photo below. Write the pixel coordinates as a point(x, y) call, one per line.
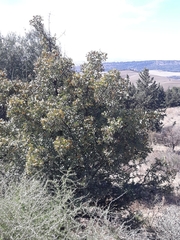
point(62, 120)
point(150, 95)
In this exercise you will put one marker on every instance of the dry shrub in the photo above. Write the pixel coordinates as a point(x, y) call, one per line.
point(167, 225)
point(29, 212)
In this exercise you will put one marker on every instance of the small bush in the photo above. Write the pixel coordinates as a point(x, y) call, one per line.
point(29, 212)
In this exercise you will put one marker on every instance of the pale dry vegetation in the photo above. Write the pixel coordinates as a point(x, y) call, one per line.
point(162, 143)
point(169, 137)
point(29, 211)
point(161, 217)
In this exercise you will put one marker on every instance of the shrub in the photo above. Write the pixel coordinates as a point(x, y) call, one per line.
point(29, 212)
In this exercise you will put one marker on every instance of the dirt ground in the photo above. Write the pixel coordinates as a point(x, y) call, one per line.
point(172, 115)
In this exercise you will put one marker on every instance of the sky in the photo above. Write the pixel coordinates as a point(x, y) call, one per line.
point(127, 30)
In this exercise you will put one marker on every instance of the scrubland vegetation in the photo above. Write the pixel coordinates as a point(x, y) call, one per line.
point(83, 155)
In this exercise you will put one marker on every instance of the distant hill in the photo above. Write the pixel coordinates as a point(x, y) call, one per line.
point(163, 65)
point(165, 72)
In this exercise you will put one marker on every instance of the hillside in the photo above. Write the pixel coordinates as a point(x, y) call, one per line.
point(163, 65)
point(165, 72)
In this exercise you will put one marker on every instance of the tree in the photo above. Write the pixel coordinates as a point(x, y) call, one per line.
point(18, 54)
point(11, 54)
point(173, 97)
point(150, 95)
point(80, 122)
point(48, 42)
point(85, 127)
point(170, 136)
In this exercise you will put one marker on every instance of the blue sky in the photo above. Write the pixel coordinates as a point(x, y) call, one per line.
point(125, 29)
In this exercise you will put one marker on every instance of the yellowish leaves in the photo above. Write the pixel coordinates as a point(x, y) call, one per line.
point(34, 157)
point(3, 141)
point(17, 107)
point(53, 119)
point(2, 75)
point(62, 145)
point(58, 113)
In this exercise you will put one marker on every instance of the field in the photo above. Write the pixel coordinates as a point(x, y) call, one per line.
point(166, 79)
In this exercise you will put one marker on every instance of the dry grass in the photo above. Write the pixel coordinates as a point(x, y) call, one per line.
point(172, 115)
point(166, 224)
point(163, 217)
point(29, 212)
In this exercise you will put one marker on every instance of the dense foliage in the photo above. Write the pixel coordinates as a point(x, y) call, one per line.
point(91, 123)
point(150, 95)
point(173, 97)
point(18, 54)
